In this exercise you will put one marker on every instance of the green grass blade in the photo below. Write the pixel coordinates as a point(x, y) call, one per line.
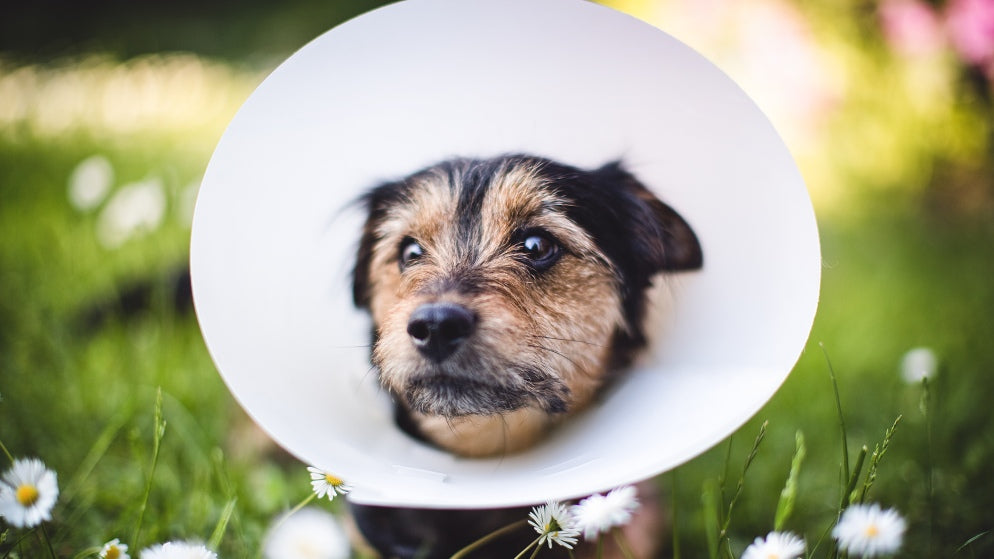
point(850, 488)
point(95, 454)
point(222, 524)
point(740, 484)
point(924, 405)
point(878, 453)
point(711, 509)
point(788, 496)
point(675, 514)
point(842, 419)
point(968, 542)
point(159, 429)
point(6, 452)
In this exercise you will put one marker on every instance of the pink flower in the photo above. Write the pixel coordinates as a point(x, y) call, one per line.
point(970, 24)
point(911, 27)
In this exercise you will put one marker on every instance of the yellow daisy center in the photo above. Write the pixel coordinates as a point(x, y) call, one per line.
point(27, 495)
point(333, 481)
point(113, 552)
point(872, 531)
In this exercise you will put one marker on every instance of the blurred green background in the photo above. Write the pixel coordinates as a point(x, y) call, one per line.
point(108, 115)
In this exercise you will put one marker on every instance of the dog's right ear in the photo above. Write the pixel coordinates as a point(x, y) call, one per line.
point(375, 204)
point(360, 272)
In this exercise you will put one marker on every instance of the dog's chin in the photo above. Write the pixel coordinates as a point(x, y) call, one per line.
point(451, 396)
point(437, 391)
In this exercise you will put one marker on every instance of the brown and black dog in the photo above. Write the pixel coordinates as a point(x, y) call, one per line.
point(505, 294)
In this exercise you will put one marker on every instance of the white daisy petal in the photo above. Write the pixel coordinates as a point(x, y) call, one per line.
point(28, 492)
point(134, 209)
point(325, 483)
point(918, 364)
point(90, 182)
point(178, 550)
point(114, 549)
point(554, 525)
point(776, 545)
point(309, 533)
point(599, 513)
point(868, 530)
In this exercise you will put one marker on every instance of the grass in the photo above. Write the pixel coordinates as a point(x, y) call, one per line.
point(83, 399)
point(900, 271)
point(892, 281)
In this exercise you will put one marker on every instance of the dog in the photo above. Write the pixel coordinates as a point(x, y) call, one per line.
point(505, 294)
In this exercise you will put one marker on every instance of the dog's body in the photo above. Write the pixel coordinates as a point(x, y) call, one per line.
point(505, 293)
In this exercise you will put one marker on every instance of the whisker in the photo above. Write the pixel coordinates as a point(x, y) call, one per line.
point(585, 342)
point(505, 431)
point(370, 369)
point(560, 354)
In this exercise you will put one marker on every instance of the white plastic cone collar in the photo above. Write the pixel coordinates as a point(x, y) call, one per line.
point(413, 83)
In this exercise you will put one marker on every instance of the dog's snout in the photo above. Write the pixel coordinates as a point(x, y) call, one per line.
point(438, 329)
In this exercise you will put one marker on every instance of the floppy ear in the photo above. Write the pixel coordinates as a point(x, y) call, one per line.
point(375, 204)
point(638, 233)
point(662, 240)
point(360, 272)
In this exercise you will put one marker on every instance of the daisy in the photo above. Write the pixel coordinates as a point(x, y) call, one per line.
point(777, 545)
point(325, 483)
point(114, 549)
point(135, 208)
point(27, 493)
point(600, 513)
point(867, 531)
point(309, 533)
point(917, 364)
point(90, 182)
point(554, 524)
point(178, 550)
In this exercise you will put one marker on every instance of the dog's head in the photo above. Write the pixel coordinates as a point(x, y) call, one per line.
point(504, 291)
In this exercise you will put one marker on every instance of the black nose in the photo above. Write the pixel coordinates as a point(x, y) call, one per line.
point(438, 329)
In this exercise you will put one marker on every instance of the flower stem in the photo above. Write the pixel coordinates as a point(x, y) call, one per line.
point(7, 452)
point(48, 541)
point(525, 550)
point(490, 537)
point(622, 541)
point(299, 506)
point(283, 518)
point(88, 552)
point(535, 553)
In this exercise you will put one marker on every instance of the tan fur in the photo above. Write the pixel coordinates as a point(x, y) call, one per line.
point(562, 325)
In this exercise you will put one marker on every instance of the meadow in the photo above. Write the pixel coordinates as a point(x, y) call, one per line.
point(102, 146)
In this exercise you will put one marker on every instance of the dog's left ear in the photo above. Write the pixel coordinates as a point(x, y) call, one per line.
point(662, 239)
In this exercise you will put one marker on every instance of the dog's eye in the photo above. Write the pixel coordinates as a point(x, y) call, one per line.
point(540, 250)
point(410, 251)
